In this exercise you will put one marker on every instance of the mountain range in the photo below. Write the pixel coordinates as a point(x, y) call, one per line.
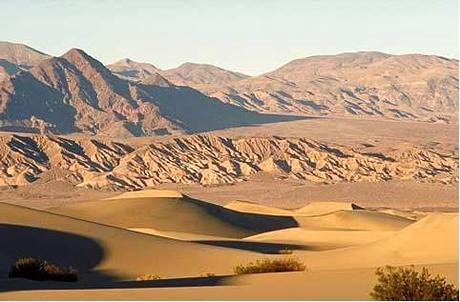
point(77, 93)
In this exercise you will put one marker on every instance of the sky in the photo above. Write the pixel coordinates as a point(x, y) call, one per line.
point(252, 36)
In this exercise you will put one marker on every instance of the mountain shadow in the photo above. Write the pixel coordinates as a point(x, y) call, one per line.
point(196, 112)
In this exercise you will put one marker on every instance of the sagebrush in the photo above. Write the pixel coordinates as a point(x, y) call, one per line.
point(39, 269)
point(148, 277)
point(270, 266)
point(408, 284)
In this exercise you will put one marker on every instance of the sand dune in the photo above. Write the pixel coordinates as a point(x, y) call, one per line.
point(184, 215)
point(433, 239)
point(101, 251)
point(112, 241)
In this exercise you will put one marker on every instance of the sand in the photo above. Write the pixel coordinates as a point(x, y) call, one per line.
point(112, 241)
point(347, 285)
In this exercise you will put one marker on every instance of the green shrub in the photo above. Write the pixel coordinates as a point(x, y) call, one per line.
point(39, 269)
point(270, 266)
point(148, 277)
point(408, 284)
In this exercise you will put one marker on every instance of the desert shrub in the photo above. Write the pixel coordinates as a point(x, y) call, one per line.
point(207, 275)
point(39, 269)
point(147, 277)
point(285, 251)
point(270, 266)
point(408, 284)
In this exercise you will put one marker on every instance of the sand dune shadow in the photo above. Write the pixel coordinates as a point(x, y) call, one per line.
point(58, 247)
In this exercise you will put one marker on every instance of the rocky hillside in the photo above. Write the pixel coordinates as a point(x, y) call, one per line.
point(21, 54)
point(132, 70)
point(372, 84)
point(77, 93)
point(15, 57)
point(208, 160)
point(197, 75)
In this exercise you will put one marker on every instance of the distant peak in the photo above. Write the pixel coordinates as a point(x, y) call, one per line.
point(125, 61)
point(74, 51)
point(76, 55)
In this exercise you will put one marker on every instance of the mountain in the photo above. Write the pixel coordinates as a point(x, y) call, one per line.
point(207, 160)
point(371, 84)
point(20, 54)
point(191, 74)
point(77, 93)
point(15, 57)
point(188, 74)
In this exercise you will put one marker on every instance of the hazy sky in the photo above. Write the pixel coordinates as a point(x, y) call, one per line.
point(248, 36)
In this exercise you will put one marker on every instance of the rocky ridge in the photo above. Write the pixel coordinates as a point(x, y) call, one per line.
point(208, 160)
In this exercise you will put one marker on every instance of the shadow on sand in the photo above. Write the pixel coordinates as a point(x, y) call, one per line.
point(60, 248)
point(69, 249)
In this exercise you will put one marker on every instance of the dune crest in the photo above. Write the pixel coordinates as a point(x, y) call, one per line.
point(148, 193)
point(320, 208)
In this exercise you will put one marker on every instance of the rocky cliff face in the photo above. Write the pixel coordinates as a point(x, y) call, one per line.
point(208, 160)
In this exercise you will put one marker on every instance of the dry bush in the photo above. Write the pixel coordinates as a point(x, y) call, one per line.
point(39, 269)
point(207, 275)
point(405, 284)
point(147, 277)
point(270, 266)
point(285, 251)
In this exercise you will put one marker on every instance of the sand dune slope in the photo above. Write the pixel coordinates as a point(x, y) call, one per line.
point(363, 220)
point(94, 247)
point(148, 193)
point(250, 207)
point(321, 239)
point(319, 208)
point(176, 215)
